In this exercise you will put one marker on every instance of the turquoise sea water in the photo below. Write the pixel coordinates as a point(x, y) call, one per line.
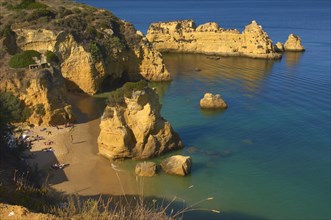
point(268, 155)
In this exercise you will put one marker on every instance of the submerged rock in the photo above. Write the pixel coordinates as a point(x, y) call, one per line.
point(293, 43)
point(134, 128)
point(177, 165)
point(146, 169)
point(210, 101)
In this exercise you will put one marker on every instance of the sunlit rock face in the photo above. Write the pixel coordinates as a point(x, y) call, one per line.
point(293, 43)
point(135, 128)
point(185, 36)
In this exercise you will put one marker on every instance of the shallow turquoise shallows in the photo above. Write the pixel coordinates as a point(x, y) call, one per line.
point(268, 155)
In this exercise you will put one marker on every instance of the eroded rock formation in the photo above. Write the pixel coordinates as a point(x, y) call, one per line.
point(210, 101)
point(185, 36)
point(43, 91)
point(134, 128)
point(85, 73)
point(279, 47)
point(293, 43)
point(177, 165)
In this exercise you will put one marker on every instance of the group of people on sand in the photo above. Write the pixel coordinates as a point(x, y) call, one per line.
point(29, 136)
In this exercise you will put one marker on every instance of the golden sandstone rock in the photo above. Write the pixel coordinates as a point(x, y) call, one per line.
point(293, 43)
point(279, 47)
point(44, 88)
point(82, 72)
point(209, 38)
point(135, 128)
point(213, 102)
point(177, 165)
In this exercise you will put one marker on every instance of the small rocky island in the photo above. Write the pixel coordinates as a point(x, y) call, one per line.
point(210, 101)
point(293, 43)
point(132, 127)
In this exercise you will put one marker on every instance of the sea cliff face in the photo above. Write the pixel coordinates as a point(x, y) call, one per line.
point(94, 47)
point(43, 92)
point(185, 36)
point(84, 73)
point(135, 128)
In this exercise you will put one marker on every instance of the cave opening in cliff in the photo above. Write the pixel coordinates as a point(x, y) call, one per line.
point(72, 86)
point(110, 84)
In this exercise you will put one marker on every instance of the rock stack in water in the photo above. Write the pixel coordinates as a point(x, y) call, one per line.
point(132, 127)
point(210, 101)
point(293, 43)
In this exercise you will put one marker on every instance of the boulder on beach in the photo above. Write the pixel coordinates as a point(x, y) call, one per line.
point(146, 169)
point(210, 101)
point(177, 165)
point(293, 43)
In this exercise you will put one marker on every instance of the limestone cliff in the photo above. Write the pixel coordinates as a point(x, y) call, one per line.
point(185, 36)
point(135, 128)
point(94, 47)
point(43, 92)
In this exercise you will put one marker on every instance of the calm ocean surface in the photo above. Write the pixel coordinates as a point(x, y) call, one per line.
point(268, 155)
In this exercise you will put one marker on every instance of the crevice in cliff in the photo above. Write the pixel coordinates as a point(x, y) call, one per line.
point(110, 84)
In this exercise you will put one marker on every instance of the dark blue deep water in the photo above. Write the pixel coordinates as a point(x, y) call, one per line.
point(268, 155)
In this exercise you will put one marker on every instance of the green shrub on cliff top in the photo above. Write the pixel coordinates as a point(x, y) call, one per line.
point(40, 13)
point(51, 57)
point(95, 51)
point(23, 59)
point(117, 97)
point(30, 4)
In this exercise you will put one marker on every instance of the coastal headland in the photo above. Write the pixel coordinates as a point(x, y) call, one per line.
point(184, 36)
point(51, 50)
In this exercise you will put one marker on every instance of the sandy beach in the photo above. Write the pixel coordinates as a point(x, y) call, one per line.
point(86, 173)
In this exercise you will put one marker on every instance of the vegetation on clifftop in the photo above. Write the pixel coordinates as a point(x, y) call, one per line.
point(23, 59)
point(117, 97)
point(29, 4)
point(97, 30)
point(51, 57)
